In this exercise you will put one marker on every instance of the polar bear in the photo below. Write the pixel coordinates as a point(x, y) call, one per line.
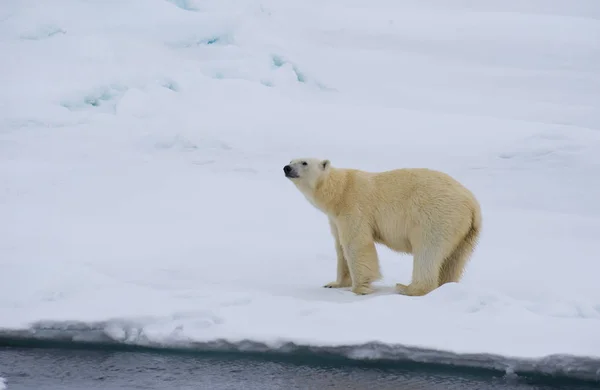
point(416, 211)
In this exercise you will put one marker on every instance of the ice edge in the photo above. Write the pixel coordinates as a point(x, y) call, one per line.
point(80, 334)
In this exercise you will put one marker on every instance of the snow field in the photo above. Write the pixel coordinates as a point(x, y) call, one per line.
point(142, 146)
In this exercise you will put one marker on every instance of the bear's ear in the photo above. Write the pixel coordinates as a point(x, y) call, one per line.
point(325, 164)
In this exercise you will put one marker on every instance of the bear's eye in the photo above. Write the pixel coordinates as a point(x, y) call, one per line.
point(304, 163)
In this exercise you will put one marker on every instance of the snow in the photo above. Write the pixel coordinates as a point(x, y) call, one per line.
point(142, 192)
point(2, 384)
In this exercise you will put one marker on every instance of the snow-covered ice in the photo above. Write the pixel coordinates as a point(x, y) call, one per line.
point(142, 193)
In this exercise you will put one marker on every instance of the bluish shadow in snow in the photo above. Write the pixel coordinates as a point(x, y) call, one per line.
point(550, 148)
point(106, 98)
point(211, 40)
point(187, 5)
point(278, 62)
point(170, 84)
point(177, 142)
point(131, 335)
point(42, 32)
point(181, 143)
point(103, 98)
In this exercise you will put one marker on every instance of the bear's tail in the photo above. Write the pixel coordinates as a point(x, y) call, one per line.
point(453, 266)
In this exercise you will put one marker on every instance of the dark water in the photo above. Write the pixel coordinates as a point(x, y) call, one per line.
point(72, 369)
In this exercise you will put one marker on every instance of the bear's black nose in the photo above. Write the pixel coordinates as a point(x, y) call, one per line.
point(287, 169)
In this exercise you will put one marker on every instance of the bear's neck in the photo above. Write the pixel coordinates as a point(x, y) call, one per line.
point(329, 191)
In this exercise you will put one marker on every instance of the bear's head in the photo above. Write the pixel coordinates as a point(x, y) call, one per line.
point(305, 173)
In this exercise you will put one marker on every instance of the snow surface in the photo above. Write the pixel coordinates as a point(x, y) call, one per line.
point(2, 384)
point(142, 145)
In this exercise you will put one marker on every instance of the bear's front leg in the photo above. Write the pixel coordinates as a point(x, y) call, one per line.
point(343, 272)
point(364, 266)
point(361, 254)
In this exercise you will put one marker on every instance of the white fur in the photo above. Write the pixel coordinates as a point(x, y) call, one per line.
point(417, 211)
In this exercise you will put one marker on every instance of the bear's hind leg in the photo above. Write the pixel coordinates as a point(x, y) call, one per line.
point(454, 265)
point(425, 275)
